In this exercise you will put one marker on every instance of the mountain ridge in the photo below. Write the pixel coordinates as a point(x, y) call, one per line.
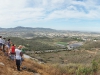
point(21, 28)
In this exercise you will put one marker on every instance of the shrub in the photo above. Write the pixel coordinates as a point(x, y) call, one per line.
point(94, 66)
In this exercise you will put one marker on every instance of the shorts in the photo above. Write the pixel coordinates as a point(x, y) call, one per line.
point(12, 53)
point(7, 46)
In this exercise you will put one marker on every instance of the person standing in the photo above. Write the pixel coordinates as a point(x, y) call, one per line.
point(12, 52)
point(8, 45)
point(18, 56)
point(0, 42)
point(3, 43)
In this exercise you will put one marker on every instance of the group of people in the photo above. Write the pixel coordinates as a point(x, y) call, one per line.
point(11, 50)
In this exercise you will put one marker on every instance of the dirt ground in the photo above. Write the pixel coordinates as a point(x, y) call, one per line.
point(8, 67)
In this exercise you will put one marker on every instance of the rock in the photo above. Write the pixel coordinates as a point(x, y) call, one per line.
point(2, 63)
point(36, 74)
point(24, 67)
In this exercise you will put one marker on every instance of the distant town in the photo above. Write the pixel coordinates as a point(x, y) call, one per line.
point(26, 32)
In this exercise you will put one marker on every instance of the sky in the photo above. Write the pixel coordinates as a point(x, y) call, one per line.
point(78, 15)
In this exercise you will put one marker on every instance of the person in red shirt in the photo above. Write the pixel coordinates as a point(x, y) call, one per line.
point(12, 50)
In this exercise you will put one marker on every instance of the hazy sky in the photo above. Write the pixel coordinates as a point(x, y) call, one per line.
point(81, 15)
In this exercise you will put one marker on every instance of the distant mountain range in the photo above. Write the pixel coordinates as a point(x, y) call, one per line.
point(20, 28)
point(25, 31)
point(34, 32)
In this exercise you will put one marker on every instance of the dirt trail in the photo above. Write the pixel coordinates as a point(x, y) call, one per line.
point(91, 52)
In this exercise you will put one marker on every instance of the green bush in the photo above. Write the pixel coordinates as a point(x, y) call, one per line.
point(84, 71)
point(94, 66)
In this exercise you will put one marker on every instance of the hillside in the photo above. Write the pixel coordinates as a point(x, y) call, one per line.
point(8, 67)
point(76, 67)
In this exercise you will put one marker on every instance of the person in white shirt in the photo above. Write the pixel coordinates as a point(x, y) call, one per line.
point(3, 43)
point(18, 56)
point(0, 42)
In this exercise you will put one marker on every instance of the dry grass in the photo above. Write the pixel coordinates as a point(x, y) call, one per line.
point(81, 63)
